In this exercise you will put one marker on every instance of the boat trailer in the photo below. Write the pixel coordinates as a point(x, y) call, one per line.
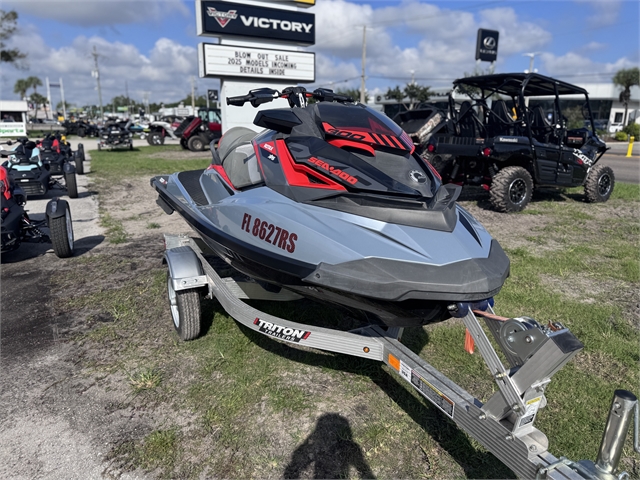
point(504, 425)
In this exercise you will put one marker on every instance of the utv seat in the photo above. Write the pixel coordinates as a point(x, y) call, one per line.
point(541, 129)
point(469, 124)
point(236, 155)
point(500, 121)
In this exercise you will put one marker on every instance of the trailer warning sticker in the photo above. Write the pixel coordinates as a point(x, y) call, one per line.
point(283, 333)
point(531, 408)
point(432, 394)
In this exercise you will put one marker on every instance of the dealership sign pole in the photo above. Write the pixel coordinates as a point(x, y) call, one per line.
point(260, 46)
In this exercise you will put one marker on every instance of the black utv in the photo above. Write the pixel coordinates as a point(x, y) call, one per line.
point(511, 136)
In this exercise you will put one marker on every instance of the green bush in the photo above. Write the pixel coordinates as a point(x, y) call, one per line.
point(633, 130)
point(621, 136)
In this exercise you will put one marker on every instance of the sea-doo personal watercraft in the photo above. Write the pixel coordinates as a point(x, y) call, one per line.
point(331, 202)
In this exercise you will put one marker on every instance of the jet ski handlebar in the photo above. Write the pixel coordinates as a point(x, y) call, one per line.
point(297, 96)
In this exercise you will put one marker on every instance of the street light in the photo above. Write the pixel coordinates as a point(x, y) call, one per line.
point(531, 56)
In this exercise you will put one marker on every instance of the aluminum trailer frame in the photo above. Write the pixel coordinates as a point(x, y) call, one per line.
point(503, 425)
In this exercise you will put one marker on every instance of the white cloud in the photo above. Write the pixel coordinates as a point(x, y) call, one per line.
point(164, 70)
point(577, 68)
point(606, 12)
point(89, 13)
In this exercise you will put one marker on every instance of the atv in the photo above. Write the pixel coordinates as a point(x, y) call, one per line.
point(197, 132)
point(520, 142)
point(26, 169)
point(116, 135)
point(17, 227)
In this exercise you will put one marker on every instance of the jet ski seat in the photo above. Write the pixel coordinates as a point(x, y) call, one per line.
point(236, 155)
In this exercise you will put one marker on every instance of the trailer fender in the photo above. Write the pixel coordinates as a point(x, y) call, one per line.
point(185, 269)
point(56, 208)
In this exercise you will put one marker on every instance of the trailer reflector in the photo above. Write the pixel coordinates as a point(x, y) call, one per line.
point(394, 362)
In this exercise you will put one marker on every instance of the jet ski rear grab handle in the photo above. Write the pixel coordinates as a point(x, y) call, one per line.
point(503, 425)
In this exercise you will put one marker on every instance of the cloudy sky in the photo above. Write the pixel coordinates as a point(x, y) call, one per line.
point(150, 46)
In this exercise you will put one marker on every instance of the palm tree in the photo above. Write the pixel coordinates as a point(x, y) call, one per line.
point(38, 100)
point(21, 88)
point(34, 82)
point(626, 79)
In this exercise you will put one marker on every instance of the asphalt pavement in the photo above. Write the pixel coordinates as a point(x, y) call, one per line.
point(626, 169)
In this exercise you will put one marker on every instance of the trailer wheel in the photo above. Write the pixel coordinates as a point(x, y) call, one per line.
point(185, 311)
point(599, 184)
point(61, 229)
point(71, 184)
point(511, 189)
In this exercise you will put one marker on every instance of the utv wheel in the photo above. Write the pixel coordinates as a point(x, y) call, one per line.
point(61, 230)
point(71, 184)
point(185, 311)
point(183, 144)
point(599, 184)
point(81, 132)
point(155, 138)
point(511, 189)
point(195, 144)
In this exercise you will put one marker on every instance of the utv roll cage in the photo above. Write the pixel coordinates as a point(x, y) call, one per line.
point(521, 120)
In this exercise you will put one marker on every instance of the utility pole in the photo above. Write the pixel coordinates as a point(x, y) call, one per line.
point(193, 99)
point(364, 59)
point(48, 91)
point(126, 92)
point(64, 107)
point(96, 74)
point(413, 76)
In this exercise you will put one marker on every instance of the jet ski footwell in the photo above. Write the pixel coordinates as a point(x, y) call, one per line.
point(504, 424)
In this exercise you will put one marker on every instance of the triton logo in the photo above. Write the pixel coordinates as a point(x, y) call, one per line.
point(222, 17)
point(283, 333)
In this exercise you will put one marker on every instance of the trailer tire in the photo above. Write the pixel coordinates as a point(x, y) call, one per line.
point(599, 184)
point(61, 229)
point(511, 189)
point(71, 184)
point(185, 311)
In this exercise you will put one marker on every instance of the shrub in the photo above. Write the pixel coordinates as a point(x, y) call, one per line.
point(633, 130)
point(621, 136)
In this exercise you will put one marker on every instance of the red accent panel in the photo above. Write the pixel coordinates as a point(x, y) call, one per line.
point(341, 142)
point(433, 170)
point(223, 174)
point(296, 174)
point(6, 192)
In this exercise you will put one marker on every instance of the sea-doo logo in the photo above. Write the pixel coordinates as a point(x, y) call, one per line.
point(581, 156)
point(417, 176)
point(333, 170)
point(489, 43)
point(222, 17)
point(283, 333)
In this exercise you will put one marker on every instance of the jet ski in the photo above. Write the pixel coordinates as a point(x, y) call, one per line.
point(330, 201)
